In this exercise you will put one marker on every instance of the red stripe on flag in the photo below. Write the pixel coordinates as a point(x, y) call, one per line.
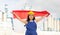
point(24, 13)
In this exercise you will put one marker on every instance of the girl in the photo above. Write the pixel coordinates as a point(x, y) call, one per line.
point(30, 23)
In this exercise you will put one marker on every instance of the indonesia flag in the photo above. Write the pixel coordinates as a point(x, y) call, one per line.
point(24, 13)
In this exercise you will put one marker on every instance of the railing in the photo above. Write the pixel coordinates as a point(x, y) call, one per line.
point(51, 24)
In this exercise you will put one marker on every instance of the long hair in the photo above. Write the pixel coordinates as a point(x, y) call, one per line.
point(28, 19)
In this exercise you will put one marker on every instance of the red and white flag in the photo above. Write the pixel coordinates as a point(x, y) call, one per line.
point(24, 13)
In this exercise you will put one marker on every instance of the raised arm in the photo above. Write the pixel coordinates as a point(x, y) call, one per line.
point(39, 19)
point(24, 21)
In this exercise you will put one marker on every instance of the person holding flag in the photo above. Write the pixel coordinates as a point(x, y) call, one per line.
point(30, 23)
